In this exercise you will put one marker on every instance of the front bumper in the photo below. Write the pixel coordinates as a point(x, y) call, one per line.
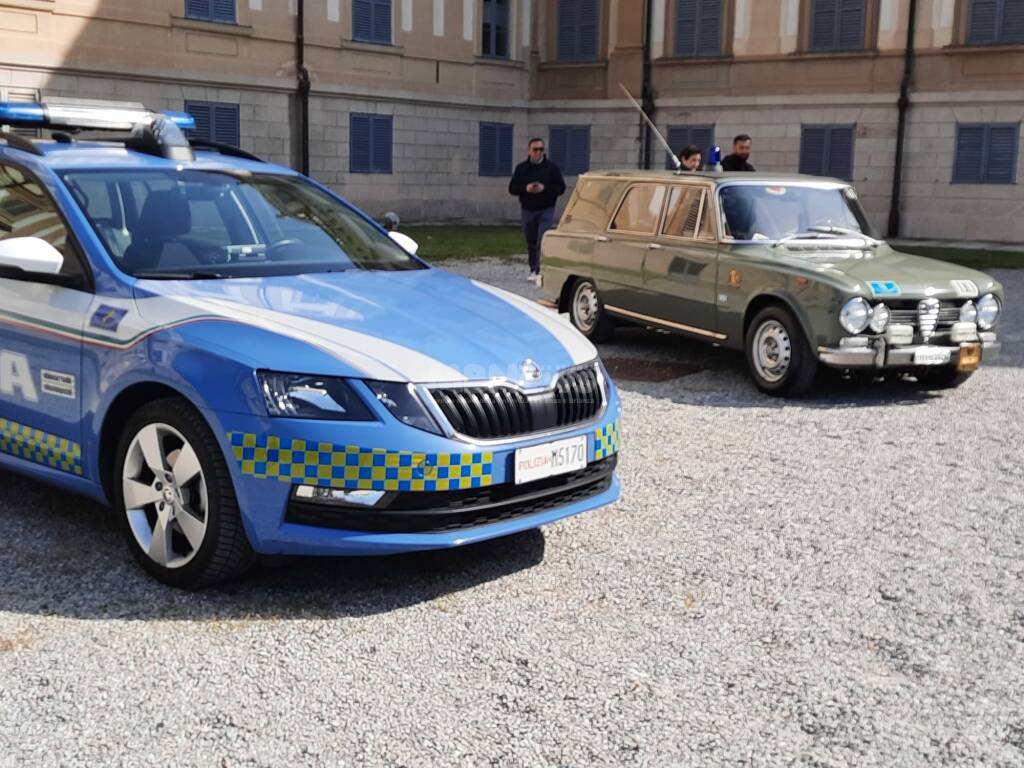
point(876, 353)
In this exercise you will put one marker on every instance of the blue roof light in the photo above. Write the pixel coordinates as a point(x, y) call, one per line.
point(183, 120)
point(21, 113)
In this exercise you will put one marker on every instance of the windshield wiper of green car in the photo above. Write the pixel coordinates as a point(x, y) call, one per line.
point(157, 275)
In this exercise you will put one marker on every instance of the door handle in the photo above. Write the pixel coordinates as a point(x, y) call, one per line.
point(654, 247)
point(602, 239)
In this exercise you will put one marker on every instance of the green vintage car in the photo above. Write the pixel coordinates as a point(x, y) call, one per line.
point(784, 267)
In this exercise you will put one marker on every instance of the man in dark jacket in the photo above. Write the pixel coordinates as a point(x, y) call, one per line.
point(737, 161)
point(538, 183)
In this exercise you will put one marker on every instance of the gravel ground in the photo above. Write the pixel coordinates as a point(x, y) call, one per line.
point(836, 581)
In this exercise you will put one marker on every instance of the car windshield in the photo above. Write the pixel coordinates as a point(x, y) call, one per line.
point(777, 211)
point(203, 224)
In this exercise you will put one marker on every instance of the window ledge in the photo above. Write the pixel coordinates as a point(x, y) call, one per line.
point(718, 58)
point(501, 61)
point(862, 53)
point(219, 27)
point(971, 48)
point(387, 49)
point(597, 64)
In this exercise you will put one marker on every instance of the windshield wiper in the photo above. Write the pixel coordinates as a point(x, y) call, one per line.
point(832, 229)
point(181, 276)
point(811, 234)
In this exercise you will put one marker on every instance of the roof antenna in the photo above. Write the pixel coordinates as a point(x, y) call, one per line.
point(653, 127)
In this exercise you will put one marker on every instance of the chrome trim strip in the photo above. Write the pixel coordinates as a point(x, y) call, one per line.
point(665, 323)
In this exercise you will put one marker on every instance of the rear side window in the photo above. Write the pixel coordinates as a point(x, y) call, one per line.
point(588, 210)
point(640, 209)
point(26, 210)
point(684, 210)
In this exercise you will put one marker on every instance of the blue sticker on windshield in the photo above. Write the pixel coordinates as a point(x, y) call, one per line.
point(884, 288)
point(107, 318)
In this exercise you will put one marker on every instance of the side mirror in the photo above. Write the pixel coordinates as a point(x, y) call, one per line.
point(391, 221)
point(30, 254)
point(406, 242)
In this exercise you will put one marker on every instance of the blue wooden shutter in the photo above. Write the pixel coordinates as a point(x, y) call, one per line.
point(970, 152)
point(201, 114)
point(558, 145)
point(983, 23)
point(362, 20)
point(568, 23)
point(359, 143)
point(225, 124)
point(1012, 27)
point(703, 137)
point(579, 150)
point(588, 30)
point(840, 152)
point(224, 10)
point(709, 35)
point(504, 150)
point(812, 150)
point(198, 9)
point(851, 25)
point(381, 21)
point(1001, 160)
point(382, 145)
point(679, 136)
point(823, 24)
point(488, 149)
point(686, 27)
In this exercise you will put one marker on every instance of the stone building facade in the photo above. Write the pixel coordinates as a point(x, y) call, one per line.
point(460, 85)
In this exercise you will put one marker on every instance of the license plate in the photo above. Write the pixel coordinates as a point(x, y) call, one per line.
point(936, 356)
point(549, 459)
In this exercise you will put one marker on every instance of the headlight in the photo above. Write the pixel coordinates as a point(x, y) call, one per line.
point(300, 396)
point(988, 311)
point(854, 315)
point(404, 404)
point(879, 318)
point(968, 313)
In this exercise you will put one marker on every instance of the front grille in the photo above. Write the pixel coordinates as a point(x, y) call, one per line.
point(437, 511)
point(490, 413)
point(911, 313)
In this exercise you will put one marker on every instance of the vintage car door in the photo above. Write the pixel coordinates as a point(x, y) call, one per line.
point(680, 271)
point(619, 254)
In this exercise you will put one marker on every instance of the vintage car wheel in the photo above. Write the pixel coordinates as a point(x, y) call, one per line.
point(175, 499)
point(778, 355)
point(586, 310)
point(945, 377)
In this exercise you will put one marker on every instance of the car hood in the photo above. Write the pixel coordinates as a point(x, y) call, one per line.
point(884, 272)
point(420, 325)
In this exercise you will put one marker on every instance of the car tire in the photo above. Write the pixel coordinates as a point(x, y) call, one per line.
point(175, 499)
point(586, 311)
point(779, 357)
point(946, 377)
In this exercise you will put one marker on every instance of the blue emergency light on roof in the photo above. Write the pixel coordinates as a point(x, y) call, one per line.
point(158, 133)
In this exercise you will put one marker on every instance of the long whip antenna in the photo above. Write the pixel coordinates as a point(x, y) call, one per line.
point(653, 127)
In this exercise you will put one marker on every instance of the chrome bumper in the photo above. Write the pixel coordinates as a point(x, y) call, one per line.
point(876, 354)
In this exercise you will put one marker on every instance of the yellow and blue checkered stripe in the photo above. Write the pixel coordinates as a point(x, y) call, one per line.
point(606, 440)
point(303, 462)
point(41, 447)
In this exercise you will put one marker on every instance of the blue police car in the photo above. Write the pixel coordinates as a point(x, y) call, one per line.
point(241, 362)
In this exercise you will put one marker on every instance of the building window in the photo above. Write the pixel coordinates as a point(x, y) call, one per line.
point(995, 21)
point(699, 27)
point(211, 10)
point(369, 142)
point(986, 154)
point(838, 25)
point(495, 31)
point(577, 30)
point(371, 21)
point(495, 149)
point(827, 150)
point(681, 136)
point(569, 148)
point(215, 122)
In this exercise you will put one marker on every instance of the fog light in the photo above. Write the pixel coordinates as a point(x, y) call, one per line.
point(899, 334)
point(853, 342)
point(319, 495)
point(960, 332)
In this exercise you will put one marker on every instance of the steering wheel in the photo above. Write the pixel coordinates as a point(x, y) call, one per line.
point(278, 250)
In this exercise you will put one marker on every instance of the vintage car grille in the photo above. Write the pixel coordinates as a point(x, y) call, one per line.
point(927, 316)
point(491, 412)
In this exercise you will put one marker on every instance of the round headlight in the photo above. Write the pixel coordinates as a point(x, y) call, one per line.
point(879, 318)
point(988, 311)
point(854, 315)
point(968, 313)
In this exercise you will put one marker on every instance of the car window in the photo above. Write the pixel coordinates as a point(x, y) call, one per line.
point(587, 210)
point(640, 209)
point(684, 210)
point(26, 210)
point(773, 211)
point(230, 224)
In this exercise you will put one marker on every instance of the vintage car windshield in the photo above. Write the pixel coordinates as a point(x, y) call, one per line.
point(773, 211)
point(203, 224)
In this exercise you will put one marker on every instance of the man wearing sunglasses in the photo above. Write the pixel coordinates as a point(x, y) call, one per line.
point(538, 183)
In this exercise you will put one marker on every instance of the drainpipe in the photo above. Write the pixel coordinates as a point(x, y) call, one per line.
point(303, 89)
point(646, 91)
point(901, 126)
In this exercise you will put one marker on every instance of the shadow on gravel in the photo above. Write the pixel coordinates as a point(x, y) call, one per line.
point(62, 555)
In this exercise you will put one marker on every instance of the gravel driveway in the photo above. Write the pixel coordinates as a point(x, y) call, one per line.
point(836, 581)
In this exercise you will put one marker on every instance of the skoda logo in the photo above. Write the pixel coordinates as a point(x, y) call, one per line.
point(531, 371)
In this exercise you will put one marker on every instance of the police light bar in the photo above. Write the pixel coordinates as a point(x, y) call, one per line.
point(81, 113)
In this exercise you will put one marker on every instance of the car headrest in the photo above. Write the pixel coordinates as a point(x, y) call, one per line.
point(165, 215)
